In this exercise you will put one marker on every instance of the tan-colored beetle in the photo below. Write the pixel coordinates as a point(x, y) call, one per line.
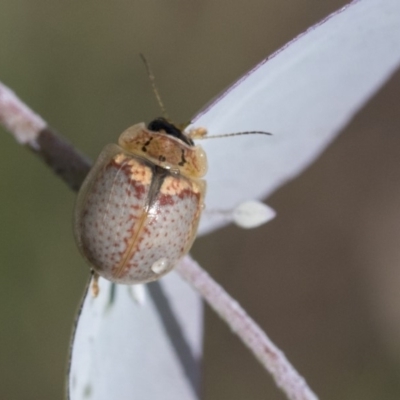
point(139, 207)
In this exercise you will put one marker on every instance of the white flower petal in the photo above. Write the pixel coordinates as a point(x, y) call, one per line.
point(124, 350)
point(304, 94)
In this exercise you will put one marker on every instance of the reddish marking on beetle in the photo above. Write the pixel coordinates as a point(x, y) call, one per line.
point(140, 189)
point(165, 200)
point(132, 242)
point(131, 217)
point(188, 193)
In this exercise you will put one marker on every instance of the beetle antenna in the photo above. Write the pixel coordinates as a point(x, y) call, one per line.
point(153, 85)
point(233, 134)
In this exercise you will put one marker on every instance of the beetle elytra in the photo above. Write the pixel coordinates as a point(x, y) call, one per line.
point(138, 210)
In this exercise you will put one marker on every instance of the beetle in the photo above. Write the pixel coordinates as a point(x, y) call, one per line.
point(138, 209)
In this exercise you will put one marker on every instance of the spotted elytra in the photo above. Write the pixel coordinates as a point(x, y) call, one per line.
point(138, 209)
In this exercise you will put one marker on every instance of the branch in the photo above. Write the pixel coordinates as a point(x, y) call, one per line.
point(272, 359)
point(31, 130)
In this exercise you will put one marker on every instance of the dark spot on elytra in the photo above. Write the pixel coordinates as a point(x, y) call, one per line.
point(183, 160)
point(165, 200)
point(144, 147)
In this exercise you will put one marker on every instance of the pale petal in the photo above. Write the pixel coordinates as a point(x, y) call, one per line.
point(304, 94)
point(126, 350)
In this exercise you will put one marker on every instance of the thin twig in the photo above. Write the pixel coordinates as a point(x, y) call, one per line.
point(31, 130)
point(18, 118)
point(272, 359)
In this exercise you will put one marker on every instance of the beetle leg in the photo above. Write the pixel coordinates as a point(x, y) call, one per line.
point(95, 283)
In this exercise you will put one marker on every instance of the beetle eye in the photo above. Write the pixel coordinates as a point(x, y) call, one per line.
point(161, 124)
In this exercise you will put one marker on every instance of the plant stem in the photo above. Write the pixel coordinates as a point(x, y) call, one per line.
point(272, 359)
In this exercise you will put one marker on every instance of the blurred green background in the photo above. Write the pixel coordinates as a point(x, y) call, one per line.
point(322, 279)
